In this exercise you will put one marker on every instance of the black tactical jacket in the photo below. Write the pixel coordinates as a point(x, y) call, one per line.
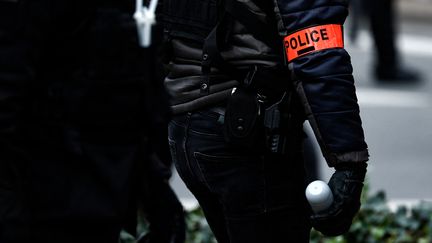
point(322, 79)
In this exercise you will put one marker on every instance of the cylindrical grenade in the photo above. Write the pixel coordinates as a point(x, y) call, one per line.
point(319, 196)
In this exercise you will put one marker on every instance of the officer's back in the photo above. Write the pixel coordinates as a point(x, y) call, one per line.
point(72, 79)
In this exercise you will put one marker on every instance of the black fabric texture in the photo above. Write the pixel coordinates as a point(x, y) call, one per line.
point(75, 92)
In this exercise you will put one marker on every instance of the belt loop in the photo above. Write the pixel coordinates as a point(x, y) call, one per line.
point(250, 76)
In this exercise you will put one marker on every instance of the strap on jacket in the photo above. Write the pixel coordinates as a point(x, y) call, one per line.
point(233, 10)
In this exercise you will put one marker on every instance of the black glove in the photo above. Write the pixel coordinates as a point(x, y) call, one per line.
point(346, 185)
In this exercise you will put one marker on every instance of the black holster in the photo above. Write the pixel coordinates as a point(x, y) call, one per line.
point(258, 116)
point(243, 121)
point(277, 123)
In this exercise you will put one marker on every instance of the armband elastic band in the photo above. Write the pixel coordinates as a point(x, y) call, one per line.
point(313, 39)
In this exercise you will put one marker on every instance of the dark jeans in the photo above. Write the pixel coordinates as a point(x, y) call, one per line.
point(247, 195)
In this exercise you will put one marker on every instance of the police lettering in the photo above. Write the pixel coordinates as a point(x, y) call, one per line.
point(305, 38)
point(312, 39)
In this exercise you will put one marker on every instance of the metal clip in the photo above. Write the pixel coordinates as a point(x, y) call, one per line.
point(145, 18)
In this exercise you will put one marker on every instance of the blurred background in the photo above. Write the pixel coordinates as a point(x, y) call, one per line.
point(397, 116)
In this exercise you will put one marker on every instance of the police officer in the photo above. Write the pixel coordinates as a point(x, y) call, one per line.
point(73, 118)
point(381, 15)
point(244, 75)
point(389, 66)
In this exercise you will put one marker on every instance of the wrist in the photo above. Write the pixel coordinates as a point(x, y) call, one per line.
point(351, 166)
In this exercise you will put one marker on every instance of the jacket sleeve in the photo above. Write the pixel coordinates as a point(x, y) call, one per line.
point(324, 81)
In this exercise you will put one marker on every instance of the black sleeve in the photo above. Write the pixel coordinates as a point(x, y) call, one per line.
point(324, 81)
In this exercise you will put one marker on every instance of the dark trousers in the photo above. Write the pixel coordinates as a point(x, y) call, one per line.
point(247, 195)
point(382, 21)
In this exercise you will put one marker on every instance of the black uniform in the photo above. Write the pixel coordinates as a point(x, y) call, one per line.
point(236, 137)
point(74, 88)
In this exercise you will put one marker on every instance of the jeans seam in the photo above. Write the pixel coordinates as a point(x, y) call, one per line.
point(185, 139)
point(178, 124)
point(265, 186)
point(202, 174)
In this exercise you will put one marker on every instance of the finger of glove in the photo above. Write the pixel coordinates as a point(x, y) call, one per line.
point(335, 223)
point(332, 212)
point(334, 227)
point(346, 196)
point(347, 208)
point(345, 190)
point(338, 218)
point(333, 215)
point(342, 204)
point(346, 213)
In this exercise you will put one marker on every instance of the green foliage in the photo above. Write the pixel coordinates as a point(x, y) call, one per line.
point(198, 230)
point(375, 223)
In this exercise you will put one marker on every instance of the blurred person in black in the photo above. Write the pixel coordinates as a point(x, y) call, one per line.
point(74, 119)
point(388, 66)
point(156, 202)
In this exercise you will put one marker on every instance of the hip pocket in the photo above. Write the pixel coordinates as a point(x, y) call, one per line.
point(237, 180)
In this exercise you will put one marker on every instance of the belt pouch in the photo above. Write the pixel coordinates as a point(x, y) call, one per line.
point(242, 118)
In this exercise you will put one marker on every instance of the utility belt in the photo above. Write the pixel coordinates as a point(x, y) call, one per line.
point(256, 116)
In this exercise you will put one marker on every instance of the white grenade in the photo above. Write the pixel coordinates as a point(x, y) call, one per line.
point(319, 196)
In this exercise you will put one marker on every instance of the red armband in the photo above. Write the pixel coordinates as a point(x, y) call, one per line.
point(313, 39)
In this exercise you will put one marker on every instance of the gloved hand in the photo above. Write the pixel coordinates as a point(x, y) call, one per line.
point(346, 185)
